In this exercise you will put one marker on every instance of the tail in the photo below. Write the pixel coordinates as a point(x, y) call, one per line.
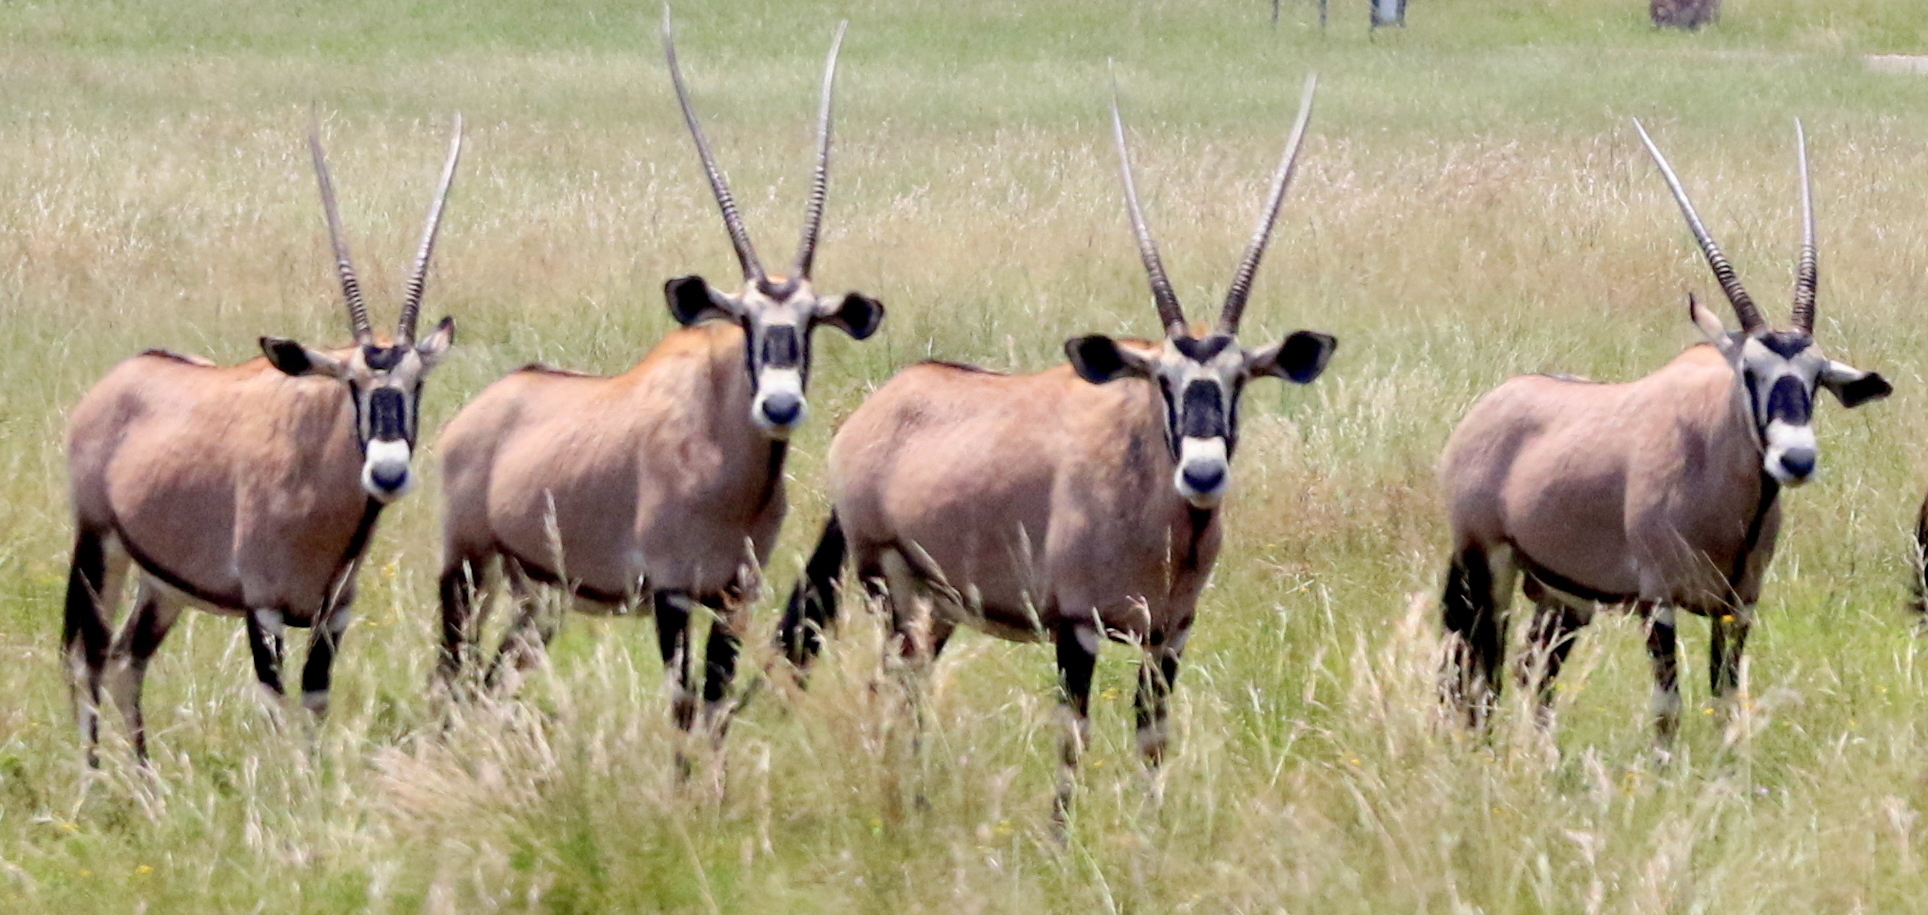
point(84, 636)
point(1920, 603)
point(812, 608)
point(1471, 680)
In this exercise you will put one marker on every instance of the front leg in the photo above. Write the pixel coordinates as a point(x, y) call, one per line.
point(673, 641)
point(1661, 652)
point(1157, 674)
point(318, 673)
point(1077, 644)
point(719, 656)
point(265, 629)
point(1729, 631)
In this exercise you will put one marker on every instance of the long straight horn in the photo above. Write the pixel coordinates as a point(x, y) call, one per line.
point(350, 286)
point(418, 280)
point(732, 220)
point(1169, 312)
point(1241, 290)
point(1807, 274)
point(1744, 309)
point(813, 213)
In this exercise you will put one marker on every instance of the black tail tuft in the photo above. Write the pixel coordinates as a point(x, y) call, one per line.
point(85, 631)
point(84, 636)
point(812, 608)
point(1475, 641)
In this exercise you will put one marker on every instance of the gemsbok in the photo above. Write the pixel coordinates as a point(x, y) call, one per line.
point(248, 490)
point(1071, 505)
point(664, 482)
point(1660, 493)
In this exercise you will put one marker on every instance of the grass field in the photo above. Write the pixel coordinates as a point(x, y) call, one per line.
point(1473, 204)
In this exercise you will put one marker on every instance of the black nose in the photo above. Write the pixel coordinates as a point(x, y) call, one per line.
point(782, 409)
point(1798, 462)
point(1204, 477)
point(389, 475)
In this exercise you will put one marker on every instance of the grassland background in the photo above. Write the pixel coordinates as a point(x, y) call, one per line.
point(1472, 205)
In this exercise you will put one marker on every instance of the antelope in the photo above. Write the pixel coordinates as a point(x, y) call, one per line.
point(664, 482)
point(1661, 493)
point(248, 490)
point(1069, 505)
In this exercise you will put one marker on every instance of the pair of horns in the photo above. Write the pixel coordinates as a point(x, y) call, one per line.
point(418, 278)
point(732, 219)
point(1169, 312)
point(1806, 274)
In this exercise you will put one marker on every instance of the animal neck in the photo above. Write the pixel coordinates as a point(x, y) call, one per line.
point(750, 456)
point(321, 421)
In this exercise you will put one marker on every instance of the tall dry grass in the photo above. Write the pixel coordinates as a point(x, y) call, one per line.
point(1472, 206)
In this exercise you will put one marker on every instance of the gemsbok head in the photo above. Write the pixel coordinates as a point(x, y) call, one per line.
point(1661, 493)
point(664, 482)
point(248, 490)
point(1071, 505)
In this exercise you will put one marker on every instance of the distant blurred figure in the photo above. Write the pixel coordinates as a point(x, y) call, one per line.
point(1683, 14)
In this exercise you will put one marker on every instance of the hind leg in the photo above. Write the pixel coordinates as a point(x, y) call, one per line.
point(464, 597)
point(527, 639)
point(1479, 590)
point(1555, 628)
point(155, 612)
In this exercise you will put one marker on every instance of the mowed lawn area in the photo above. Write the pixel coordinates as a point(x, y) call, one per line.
point(1473, 204)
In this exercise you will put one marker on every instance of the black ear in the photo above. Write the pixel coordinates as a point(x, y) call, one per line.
point(1300, 359)
point(288, 356)
point(1095, 358)
point(692, 300)
point(436, 345)
point(1861, 390)
point(858, 315)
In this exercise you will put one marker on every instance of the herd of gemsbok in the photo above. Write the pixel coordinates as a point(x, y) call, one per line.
point(1071, 506)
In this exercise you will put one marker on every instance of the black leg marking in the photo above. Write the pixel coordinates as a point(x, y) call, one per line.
point(265, 643)
point(812, 607)
point(461, 586)
point(673, 641)
point(1661, 652)
point(1475, 637)
point(1157, 674)
point(1920, 605)
point(1556, 627)
point(1077, 644)
point(1729, 640)
point(317, 675)
point(720, 652)
point(84, 636)
point(527, 639)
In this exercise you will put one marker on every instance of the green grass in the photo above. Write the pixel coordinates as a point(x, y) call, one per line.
point(1473, 205)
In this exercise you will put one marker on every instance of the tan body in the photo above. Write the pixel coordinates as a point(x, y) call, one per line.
point(654, 479)
point(1626, 490)
point(250, 490)
point(1662, 493)
point(1067, 506)
point(663, 483)
point(237, 486)
point(1061, 508)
